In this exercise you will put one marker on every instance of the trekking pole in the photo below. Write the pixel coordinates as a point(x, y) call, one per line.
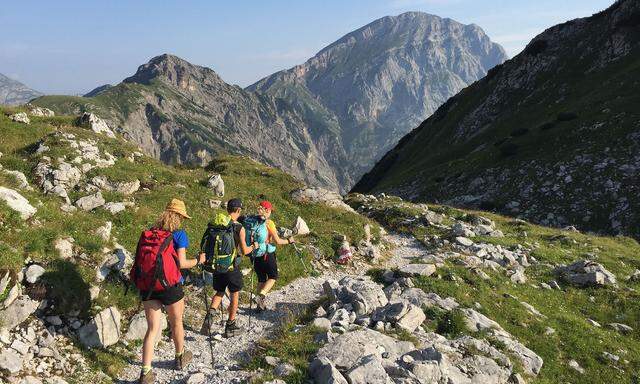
point(253, 271)
point(208, 318)
point(301, 257)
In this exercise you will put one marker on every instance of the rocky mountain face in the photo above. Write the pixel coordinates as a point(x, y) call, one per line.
point(183, 113)
point(552, 135)
point(362, 93)
point(13, 92)
point(325, 122)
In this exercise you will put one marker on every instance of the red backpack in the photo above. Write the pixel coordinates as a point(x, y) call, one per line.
point(155, 267)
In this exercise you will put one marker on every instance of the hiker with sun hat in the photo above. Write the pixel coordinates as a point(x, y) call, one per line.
point(160, 255)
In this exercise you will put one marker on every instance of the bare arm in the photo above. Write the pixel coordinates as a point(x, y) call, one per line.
point(274, 235)
point(243, 244)
point(185, 263)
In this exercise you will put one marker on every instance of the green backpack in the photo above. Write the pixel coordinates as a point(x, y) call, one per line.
point(219, 245)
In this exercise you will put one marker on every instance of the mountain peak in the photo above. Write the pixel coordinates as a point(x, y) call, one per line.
point(14, 92)
point(173, 70)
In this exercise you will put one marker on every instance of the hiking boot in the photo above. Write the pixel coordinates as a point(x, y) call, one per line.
point(260, 303)
point(183, 360)
point(231, 329)
point(148, 378)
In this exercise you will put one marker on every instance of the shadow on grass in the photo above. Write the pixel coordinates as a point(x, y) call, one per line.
point(67, 288)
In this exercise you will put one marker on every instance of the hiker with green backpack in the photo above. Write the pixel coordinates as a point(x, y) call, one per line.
point(222, 248)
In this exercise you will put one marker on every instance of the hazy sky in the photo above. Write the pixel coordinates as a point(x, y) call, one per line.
point(73, 46)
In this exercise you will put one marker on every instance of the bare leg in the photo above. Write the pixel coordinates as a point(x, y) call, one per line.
point(233, 306)
point(216, 300)
point(266, 286)
point(175, 312)
point(152, 313)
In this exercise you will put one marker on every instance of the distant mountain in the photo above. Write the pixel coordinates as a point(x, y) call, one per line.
point(325, 121)
point(185, 114)
point(552, 135)
point(362, 93)
point(13, 92)
point(96, 91)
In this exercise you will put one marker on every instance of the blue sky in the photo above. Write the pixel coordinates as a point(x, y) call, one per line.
point(72, 46)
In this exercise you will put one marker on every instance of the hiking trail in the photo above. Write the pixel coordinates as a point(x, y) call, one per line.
point(230, 354)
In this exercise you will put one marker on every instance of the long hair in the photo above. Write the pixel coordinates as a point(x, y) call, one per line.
point(169, 221)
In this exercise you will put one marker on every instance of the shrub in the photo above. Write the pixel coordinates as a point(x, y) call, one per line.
point(509, 149)
point(567, 116)
point(519, 132)
point(501, 141)
point(452, 324)
point(547, 126)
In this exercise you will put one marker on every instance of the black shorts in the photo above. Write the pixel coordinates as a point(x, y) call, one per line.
point(231, 280)
point(266, 268)
point(169, 296)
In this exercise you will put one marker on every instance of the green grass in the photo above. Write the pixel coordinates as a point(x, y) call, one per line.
point(567, 311)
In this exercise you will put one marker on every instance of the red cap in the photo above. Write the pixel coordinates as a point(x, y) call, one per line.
point(266, 205)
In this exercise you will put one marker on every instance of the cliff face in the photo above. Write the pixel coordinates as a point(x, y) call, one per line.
point(362, 93)
point(552, 135)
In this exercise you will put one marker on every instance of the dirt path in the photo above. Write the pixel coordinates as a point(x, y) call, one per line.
point(230, 353)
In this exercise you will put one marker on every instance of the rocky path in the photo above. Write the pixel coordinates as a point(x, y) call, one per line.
point(230, 353)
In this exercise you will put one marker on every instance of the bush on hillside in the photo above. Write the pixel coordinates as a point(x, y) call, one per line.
point(547, 126)
point(452, 324)
point(519, 132)
point(567, 116)
point(509, 149)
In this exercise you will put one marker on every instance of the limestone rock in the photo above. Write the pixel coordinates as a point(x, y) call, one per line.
point(418, 269)
point(64, 246)
point(587, 273)
point(369, 370)
point(17, 312)
point(345, 351)
point(33, 273)
point(17, 202)
point(90, 202)
point(138, 327)
point(362, 293)
point(96, 124)
point(20, 117)
point(300, 227)
point(10, 360)
point(216, 184)
point(320, 196)
point(103, 330)
point(323, 371)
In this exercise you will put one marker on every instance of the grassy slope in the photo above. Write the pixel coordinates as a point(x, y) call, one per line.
point(567, 310)
point(70, 280)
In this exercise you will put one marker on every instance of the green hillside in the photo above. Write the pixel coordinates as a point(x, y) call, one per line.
point(555, 129)
point(67, 282)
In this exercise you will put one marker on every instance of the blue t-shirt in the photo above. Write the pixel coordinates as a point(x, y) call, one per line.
point(180, 239)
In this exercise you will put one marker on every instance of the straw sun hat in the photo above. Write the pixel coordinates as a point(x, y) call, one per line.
point(177, 206)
